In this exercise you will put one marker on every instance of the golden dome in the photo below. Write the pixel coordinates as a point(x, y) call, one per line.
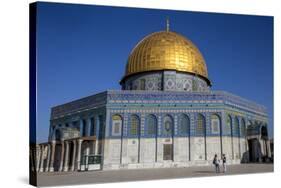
point(166, 50)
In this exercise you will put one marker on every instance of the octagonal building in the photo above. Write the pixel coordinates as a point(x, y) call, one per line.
point(166, 115)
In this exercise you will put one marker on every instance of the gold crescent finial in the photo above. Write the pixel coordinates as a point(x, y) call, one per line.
point(167, 24)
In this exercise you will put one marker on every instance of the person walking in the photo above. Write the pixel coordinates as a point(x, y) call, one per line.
point(224, 163)
point(216, 162)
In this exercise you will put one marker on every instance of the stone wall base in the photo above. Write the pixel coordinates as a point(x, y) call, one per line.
point(163, 165)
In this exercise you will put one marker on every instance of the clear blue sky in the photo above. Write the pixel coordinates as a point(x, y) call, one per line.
point(83, 50)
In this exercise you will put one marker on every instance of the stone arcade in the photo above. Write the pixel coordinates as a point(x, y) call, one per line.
point(166, 115)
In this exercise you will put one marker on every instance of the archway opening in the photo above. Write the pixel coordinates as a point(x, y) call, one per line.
point(254, 150)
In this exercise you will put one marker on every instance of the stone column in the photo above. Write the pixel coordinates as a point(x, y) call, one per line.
point(268, 148)
point(73, 156)
point(97, 135)
point(66, 158)
point(51, 168)
point(48, 158)
point(239, 139)
point(159, 146)
point(38, 158)
point(42, 158)
point(78, 159)
point(62, 156)
point(92, 146)
point(97, 147)
point(87, 151)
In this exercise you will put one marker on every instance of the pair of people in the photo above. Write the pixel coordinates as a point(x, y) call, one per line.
point(216, 162)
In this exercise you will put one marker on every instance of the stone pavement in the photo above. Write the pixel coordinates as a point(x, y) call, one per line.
point(94, 177)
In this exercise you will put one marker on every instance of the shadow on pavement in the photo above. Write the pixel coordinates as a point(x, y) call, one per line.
point(205, 172)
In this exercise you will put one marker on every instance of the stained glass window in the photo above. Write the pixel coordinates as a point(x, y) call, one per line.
point(200, 128)
point(151, 124)
point(215, 124)
point(228, 124)
point(134, 130)
point(184, 124)
point(116, 125)
point(236, 127)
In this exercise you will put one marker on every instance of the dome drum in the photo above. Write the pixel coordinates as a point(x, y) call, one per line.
point(165, 80)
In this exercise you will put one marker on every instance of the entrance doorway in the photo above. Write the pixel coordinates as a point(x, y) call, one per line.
point(254, 150)
point(57, 159)
point(168, 152)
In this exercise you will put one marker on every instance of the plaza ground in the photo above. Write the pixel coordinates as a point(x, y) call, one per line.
point(94, 177)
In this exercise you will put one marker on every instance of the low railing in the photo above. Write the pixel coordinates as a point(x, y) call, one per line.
point(91, 162)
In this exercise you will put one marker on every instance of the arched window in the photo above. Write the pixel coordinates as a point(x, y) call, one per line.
point(236, 127)
point(184, 124)
point(228, 125)
point(243, 128)
point(200, 128)
point(215, 124)
point(135, 125)
point(116, 125)
point(151, 123)
point(168, 125)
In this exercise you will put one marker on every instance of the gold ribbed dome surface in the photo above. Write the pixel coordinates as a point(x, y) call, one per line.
point(166, 50)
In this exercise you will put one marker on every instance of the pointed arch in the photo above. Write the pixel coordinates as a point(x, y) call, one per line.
point(243, 128)
point(117, 123)
point(168, 125)
point(151, 125)
point(228, 128)
point(201, 125)
point(215, 124)
point(236, 127)
point(134, 125)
